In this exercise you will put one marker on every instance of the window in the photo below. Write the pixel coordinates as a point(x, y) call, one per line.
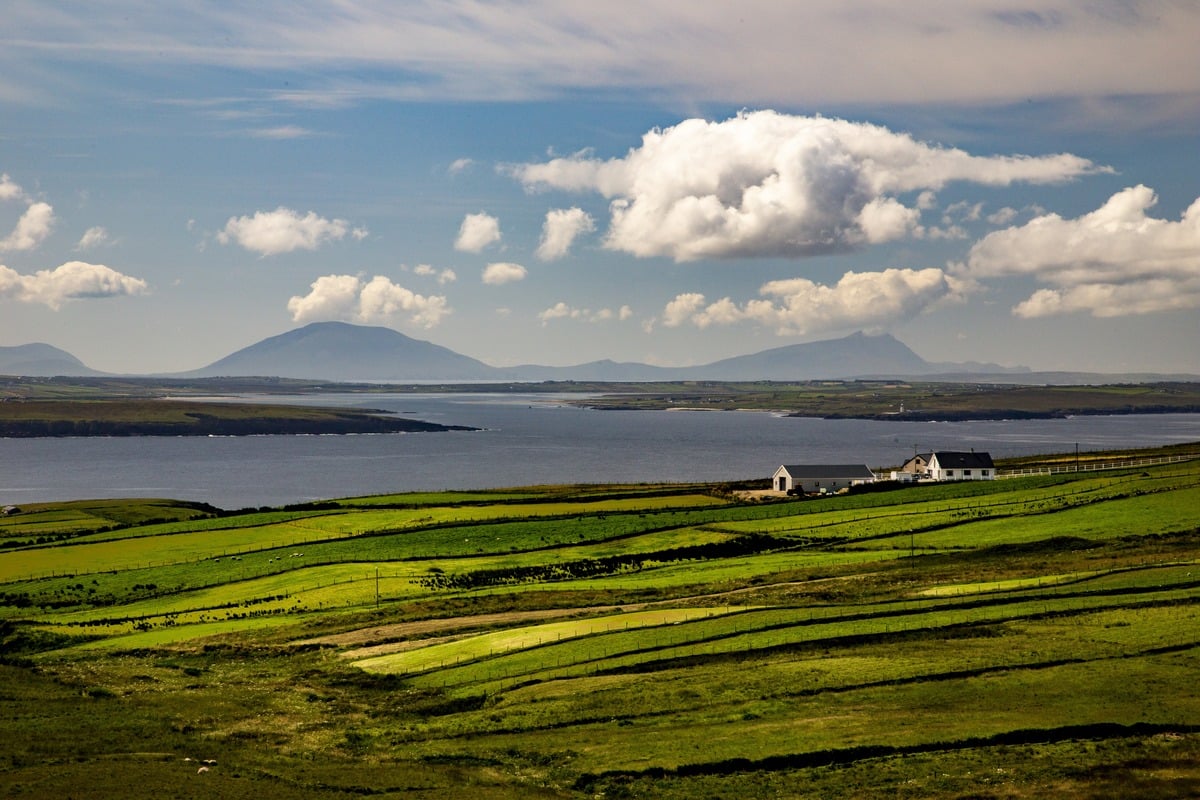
point(966, 473)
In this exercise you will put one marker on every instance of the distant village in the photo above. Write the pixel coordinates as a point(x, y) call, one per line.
point(941, 465)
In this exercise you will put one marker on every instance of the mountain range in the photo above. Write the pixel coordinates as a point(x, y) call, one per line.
point(338, 351)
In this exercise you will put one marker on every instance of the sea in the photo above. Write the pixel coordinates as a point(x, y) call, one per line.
point(523, 439)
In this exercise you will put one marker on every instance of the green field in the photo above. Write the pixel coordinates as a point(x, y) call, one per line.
point(1023, 638)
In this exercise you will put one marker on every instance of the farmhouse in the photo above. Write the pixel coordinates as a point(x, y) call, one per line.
point(816, 478)
point(949, 465)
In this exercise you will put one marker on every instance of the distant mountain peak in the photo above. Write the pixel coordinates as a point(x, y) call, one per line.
point(340, 351)
point(41, 360)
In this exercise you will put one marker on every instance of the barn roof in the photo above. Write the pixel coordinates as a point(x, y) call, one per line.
point(810, 471)
point(950, 459)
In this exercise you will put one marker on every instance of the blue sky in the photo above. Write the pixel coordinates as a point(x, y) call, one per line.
point(1009, 181)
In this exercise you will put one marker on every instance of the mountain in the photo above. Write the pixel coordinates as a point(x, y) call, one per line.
point(337, 351)
point(42, 361)
point(857, 355)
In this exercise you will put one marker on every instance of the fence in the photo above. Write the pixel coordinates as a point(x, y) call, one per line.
point(1093, 466)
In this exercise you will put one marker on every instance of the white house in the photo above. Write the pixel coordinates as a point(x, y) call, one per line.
point(817, 478)
point(949, 465)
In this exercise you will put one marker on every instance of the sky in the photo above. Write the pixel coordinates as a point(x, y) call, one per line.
point(558, 181)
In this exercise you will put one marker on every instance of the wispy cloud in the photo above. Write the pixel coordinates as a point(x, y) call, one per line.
point(94, 237)
point(281, 132)
point(768, 52)
point(562, 310)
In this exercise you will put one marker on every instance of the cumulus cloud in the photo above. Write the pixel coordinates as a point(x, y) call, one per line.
point(560, 229)
point(1113, 261)
point(503, 272)
point(770, 184)
point(283, 230)
point(798, 306)
point(477, 232)
point(561, 310)
point(32, 228)
point(34, 224)
point(460, 165)
point(349, 298)
point(94, 237)
point(74, 280)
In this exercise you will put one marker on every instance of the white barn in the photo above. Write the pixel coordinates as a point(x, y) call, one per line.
point(816, 478)
point(950, 465)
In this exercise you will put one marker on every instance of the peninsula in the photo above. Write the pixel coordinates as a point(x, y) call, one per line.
point(155, 417)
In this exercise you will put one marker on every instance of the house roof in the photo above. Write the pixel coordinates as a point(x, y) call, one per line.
point(950, 459)
point(810, 471)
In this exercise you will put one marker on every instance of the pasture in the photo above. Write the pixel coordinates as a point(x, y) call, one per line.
point(1030, 637)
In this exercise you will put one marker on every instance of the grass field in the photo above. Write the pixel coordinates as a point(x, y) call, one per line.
point(1033, 637)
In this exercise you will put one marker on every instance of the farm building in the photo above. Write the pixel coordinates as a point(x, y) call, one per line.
point(949, 465)
point(815, 478)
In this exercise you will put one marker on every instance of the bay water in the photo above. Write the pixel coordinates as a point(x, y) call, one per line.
point(524, 440)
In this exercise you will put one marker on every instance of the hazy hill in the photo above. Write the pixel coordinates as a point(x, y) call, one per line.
point(338, 351)
point(42, 361)
point(852, 356)
point(342, 352)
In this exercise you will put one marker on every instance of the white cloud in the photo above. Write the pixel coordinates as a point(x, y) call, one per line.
point(754, 52)
point(681, 309)
point(797, 306)
point(281, 132)
point(349, 298)
point(284, 230)
point(460, 165)
point(1002, 216)
point(444, 276)
point(94, 237)
point(561, 310)
point(10, 190)
point(770, 184)
point(32, 228)
point(560, 229)
point(477, 232)
point(1113, 261)
point(35, 222)
point(503, 272)
point(74, 280)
